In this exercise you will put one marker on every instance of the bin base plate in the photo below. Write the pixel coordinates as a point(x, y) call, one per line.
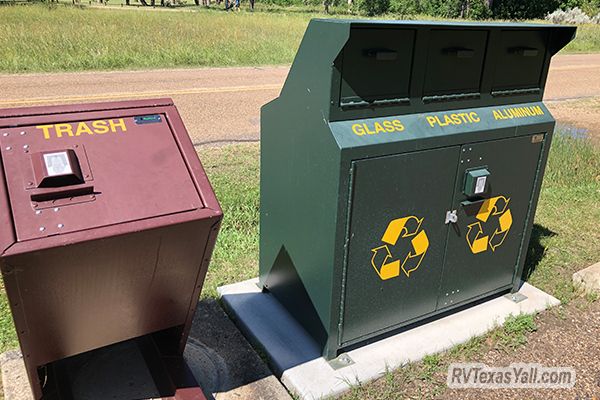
point(296, 358)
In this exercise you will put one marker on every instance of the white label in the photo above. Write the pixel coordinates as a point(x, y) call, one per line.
point(57, 164)
point(480, 184)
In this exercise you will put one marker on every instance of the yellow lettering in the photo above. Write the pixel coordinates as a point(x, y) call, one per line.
point(378, 127)
point(474, 117)
point(358, 129)
point(456, 119)
point(83, 128)
point(398, 125)
point(100, 127)
point(431, 120)
point(63, 128)
point(538, 110)
point(369, 132)
point(447, 121)
point(497, 115)
point(388, 126)
point(120, 123)
point(45, 129)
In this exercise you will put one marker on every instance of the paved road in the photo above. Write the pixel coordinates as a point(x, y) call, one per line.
point(222, 104)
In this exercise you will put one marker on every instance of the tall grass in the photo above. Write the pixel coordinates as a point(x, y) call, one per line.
point(39, 38)
point(587, 40)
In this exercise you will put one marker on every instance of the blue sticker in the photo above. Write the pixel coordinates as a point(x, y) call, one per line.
point(147, 119)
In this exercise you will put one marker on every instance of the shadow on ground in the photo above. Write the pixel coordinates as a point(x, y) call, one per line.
point(536, 251)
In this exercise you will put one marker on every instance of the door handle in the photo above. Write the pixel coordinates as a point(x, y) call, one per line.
point(451, 217)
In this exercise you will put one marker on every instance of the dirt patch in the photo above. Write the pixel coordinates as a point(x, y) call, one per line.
point(567, 336)
point(582, 114)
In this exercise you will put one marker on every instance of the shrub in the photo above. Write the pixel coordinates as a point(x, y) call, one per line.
point(570, 16)
point(478, 9)
point(519, 9)
point(374, 7)
point(405, 7)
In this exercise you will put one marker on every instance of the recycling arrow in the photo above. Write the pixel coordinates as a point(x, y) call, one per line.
point(477, 242)
point(379, 262)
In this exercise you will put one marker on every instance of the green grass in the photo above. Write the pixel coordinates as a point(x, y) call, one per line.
point(38, 38)
point(566, 236)
point(587, 40)
point(234, 174)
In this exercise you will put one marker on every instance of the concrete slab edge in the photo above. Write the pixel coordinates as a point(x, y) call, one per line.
point(296, 359)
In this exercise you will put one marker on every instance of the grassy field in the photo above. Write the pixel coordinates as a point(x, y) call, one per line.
point(36, 38)
point(59, 38)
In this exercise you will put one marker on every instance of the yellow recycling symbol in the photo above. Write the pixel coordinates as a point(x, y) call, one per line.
point(407, 227)
point(495, 206)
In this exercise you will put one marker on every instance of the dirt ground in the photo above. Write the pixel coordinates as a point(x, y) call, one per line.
point(567, 336)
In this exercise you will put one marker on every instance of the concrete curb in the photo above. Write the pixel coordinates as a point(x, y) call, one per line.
point(296, 358)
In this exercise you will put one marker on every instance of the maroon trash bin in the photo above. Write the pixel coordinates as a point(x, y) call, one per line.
point(107, 225)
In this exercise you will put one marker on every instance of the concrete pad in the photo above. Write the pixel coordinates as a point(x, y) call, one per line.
point(295, 357)
point(14, 376)
point(588, 278)
point(222, 361)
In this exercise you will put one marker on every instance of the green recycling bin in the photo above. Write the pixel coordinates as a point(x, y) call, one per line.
point(400, 171)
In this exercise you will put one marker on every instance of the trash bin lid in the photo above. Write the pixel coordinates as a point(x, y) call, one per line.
point(74, 171)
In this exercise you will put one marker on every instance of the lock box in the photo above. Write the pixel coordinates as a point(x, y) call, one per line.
point(476, 182)
point(107, 226)
point(400, 171)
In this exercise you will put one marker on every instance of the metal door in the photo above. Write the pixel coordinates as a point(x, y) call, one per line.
point(396, 239)
point(484, 244)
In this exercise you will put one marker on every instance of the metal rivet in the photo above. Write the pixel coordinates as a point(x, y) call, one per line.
point(29, 183)
point(60, 226)
point(470, 149)
point(5, 134)
point(42, 229)
point(8, 148)
point(56, 209)
point(468, 160)
point(38, 212)
point(480, 158)
point(22, 133)
point(461, 161)
point(25, 146)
